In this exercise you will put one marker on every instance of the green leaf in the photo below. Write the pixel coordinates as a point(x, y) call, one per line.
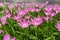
point(1, 8)
point(14, 9)
point(2, 14)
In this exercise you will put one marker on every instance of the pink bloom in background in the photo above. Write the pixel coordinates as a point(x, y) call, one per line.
point(7, 37)
point(37, 5)
point(58, 26)
point(10, 6)
point(1, 31)
point(22, 5)
point(24, 23)
point(29, 4)
point(1, 4)
point(7, 3)
point(3, 20)
point(36, 21)
point(44, 4)
point(16, 4)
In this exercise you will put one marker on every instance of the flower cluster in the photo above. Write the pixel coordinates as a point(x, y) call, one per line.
point(50, 11)
point(21, 13)
point(21, 10)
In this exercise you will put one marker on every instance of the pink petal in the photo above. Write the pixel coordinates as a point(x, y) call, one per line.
point(58, 26)
point(3, 20)
point(6, 37)
point(8, 15)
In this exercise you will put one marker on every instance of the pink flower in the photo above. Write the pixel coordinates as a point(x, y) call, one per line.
point(8, 15)
point(16, 4)
point(24, 23)
point(37, 10)
point(16, 17)
point(31, 9)
point(58, 26)
point(37, 5)
point(3, 20)
point(44, 4)
point(22, 5)
point(48, 8)
point(56, 8)
point(7, 37)
point(29, 4)
point(1, 31)
point(7, 11)
point(21, 12)
point(46, 18)
point(10, 6)
point(36, 21)
point(47, 12)
point(53, 14)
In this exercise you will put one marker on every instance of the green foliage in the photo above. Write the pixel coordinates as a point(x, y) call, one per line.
point(2, 14)
point(1, 8)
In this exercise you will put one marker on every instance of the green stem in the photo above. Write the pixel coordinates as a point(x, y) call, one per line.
point(27, 35)
point(4, 28)
point(47, 31)
point(36, 33)
point(11, 27)
point(30, 14)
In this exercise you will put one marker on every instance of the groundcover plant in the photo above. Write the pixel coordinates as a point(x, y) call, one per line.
point(30, 21)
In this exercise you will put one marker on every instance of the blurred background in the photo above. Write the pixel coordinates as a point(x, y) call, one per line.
point(26, 1)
